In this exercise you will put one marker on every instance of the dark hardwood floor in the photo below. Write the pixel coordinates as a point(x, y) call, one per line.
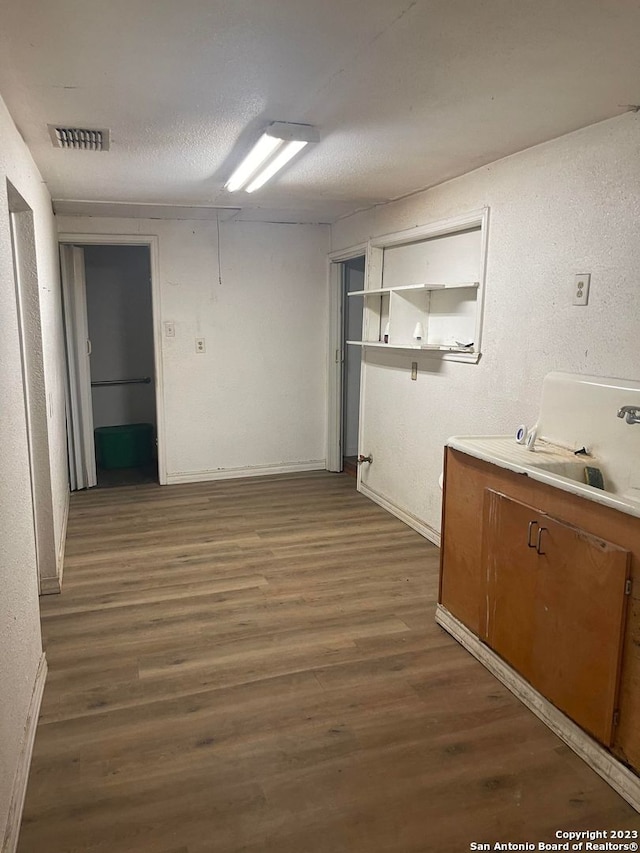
point(350, 466)
point(253, 665)
point(110, 477)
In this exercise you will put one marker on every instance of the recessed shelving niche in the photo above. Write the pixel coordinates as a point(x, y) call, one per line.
point(441, 314)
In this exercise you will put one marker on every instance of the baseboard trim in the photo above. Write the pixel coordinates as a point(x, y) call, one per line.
point(621, 779)
point(50, 586)
point(19, 787)
point(249, 471)
point(409, 519)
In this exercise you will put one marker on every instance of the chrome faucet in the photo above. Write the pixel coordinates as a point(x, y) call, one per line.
point(630, 413)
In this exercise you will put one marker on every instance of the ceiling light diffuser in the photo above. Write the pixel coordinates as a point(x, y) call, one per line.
point(278, 162)
point(260, 152)
point(280, 142)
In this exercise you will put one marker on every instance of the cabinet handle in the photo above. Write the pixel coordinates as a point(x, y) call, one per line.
point(539, 541)
point(529, 542)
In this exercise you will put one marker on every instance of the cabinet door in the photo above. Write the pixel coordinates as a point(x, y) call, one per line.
point(507, 612)
point(556, 610)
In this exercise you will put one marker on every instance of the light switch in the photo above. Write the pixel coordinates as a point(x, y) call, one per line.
point(169, 329)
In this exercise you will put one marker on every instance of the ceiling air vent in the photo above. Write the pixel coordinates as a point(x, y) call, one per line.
point(79, 138)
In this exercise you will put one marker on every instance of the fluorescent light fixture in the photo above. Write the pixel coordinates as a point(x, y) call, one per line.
point(290, 150)
point(260, 152)
point(279, 143)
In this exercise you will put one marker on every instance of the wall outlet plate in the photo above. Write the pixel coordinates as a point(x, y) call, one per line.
point(200, 345)
point(581, 288)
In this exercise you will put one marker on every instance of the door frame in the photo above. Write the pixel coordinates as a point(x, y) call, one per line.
point(37, 403)
point(153, 243)
point(335, 353)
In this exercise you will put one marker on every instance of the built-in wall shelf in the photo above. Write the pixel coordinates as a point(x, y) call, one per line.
point(448, 353)
point(441, 315)
point(440, 319)
point(379, 290)
point(426, 347)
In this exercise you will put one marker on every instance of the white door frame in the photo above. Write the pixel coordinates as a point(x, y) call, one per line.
point(335, 353)
point(28, 310)
point(152, 242)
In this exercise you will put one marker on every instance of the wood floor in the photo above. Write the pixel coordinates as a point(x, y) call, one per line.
point(253, 665)
point(350, 466)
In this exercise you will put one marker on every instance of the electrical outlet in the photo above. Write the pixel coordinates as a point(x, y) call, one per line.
point(169, 329)
point(581, 288)
point(414, 369)
point(200, 347)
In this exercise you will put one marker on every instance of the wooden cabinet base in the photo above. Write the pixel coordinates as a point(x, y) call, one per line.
point(556, 613)
point(464, 581)
point(624, 781)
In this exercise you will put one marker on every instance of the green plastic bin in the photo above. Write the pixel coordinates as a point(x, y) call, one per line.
point(124, 446)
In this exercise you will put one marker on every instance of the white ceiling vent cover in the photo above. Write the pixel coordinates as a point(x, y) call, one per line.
point(79, 138)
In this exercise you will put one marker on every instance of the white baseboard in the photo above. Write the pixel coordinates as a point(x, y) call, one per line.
point(50, 586)
point(19, 787)
point(249, 471)
point(621, 779)
point(409, 519)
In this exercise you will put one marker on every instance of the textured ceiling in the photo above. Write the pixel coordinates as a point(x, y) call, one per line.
point(405, 93)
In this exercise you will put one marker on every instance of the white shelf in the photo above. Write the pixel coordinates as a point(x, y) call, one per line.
point(448, 261)
point(444, 353)
point(379, 291)
point(426, 347)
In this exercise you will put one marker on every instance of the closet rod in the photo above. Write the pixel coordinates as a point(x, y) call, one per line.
point(144, 380)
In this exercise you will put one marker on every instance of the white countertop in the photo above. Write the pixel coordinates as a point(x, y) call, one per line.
point(548, 463)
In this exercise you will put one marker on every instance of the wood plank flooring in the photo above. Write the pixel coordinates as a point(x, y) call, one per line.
point(350, 466)
point(253, 665)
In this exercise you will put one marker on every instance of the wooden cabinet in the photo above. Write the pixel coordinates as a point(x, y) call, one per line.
point(566, 619)
point(555, 608)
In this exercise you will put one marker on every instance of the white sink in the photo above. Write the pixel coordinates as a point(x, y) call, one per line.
point(549, 464)
point(576, 412)
point(545, 456)
point(633, 495)
point(582, 411)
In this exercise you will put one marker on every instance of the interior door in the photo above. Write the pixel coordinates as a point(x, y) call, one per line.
point(80, 440)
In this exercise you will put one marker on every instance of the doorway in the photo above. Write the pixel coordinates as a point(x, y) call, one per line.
point(352, 280)
point(109, 308)
point(120, 326)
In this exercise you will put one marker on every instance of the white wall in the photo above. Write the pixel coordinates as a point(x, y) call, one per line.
point(20, 641)
point(255, 400)
point(565, 207)
point(119, 311)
